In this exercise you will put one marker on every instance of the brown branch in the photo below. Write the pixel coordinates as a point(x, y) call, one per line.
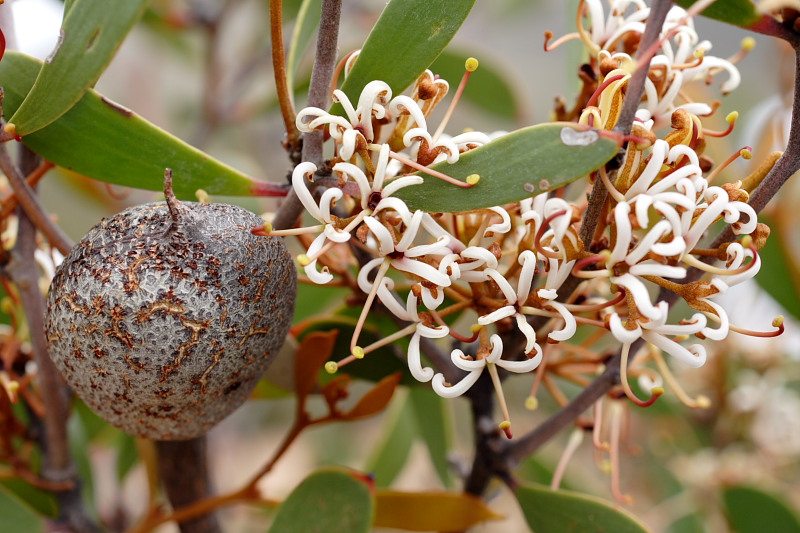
point(786, 166)
point(183, 468)
point(279, 71)
point(33, 209)
point(324, 65)
point(24, 272)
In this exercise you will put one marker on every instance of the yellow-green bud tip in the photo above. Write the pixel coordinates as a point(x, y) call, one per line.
point(657, 391)
point(304, 260)
point(472, 179)
point(201, 195)
point(702, 402)
point(475, 328)
point(11, 128)
point(331, 367)
point(605, 466)
point(358, 352)
point(747, 240)
point(699, 53)
point(746, 154)
point(748, 43)
point(267, 226)
point(505, 424)
point(471, 64)
point(531, 403)
point(732, 116)
point(778, 322)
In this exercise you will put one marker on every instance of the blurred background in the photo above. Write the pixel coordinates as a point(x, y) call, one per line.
point(201, 69)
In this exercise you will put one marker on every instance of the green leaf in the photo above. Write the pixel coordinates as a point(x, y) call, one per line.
point(305, 24)
point(751, 510)
point(37, 500)
point(434, 427)
point(548, 511)
point(405, 40)
point(127, 454)
point(16, 516)
point(390, 456)
point(487, 89)
point(91, 33)
point(738, 12)
point(513, 167)
point(328, 501)
point(779, 269)
point(104, 141)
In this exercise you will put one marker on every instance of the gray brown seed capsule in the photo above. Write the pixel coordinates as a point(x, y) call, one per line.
point(163, 319)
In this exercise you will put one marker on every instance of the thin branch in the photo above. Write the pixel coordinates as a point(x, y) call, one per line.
point(786, 166)
point(324, 65)
point(633, 96)
point(279, 70)
point(33, 209)
point(24, 272)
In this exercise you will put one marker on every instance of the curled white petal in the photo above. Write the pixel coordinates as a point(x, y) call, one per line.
point(401, 102)
point(504, 226)
point(528, 261)
point(319, 277)
point(570, 325)
point(423, 270)
point(421, 373)
point(382, 235)
point(454, 391)
point(397, 184)
point(482, 255)
point(363, 275)
point(528, 331)
point(719, 333)
point(498, 314)
point(620, 332)
point(694, 355)
point(350, 170)
point(301, 189)
point(640, 295)
point(503, 284)
point(429, 300)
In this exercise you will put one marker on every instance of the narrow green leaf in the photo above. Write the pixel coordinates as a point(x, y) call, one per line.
point(16, 516)
point(405, 40)
point(41, 502)
point(751, 510)
point(91, 33)
point(305, 24)
point(488, 89)
point(328, 501)
point(779, 269)
point(391, 454)
point(738, 12)
point(513, 167)
point(548, 511)
point(127, 454)
point(104, 141)
point(434, 427)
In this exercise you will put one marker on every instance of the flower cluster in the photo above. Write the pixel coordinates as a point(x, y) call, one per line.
point(514, 286)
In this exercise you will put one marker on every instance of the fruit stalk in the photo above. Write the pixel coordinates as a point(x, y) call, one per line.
point(183, 468)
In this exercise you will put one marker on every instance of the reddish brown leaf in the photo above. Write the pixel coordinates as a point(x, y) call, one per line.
point(312, 354)
point(376, 399)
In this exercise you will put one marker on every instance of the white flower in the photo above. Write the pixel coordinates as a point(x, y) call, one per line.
point(475, 368)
